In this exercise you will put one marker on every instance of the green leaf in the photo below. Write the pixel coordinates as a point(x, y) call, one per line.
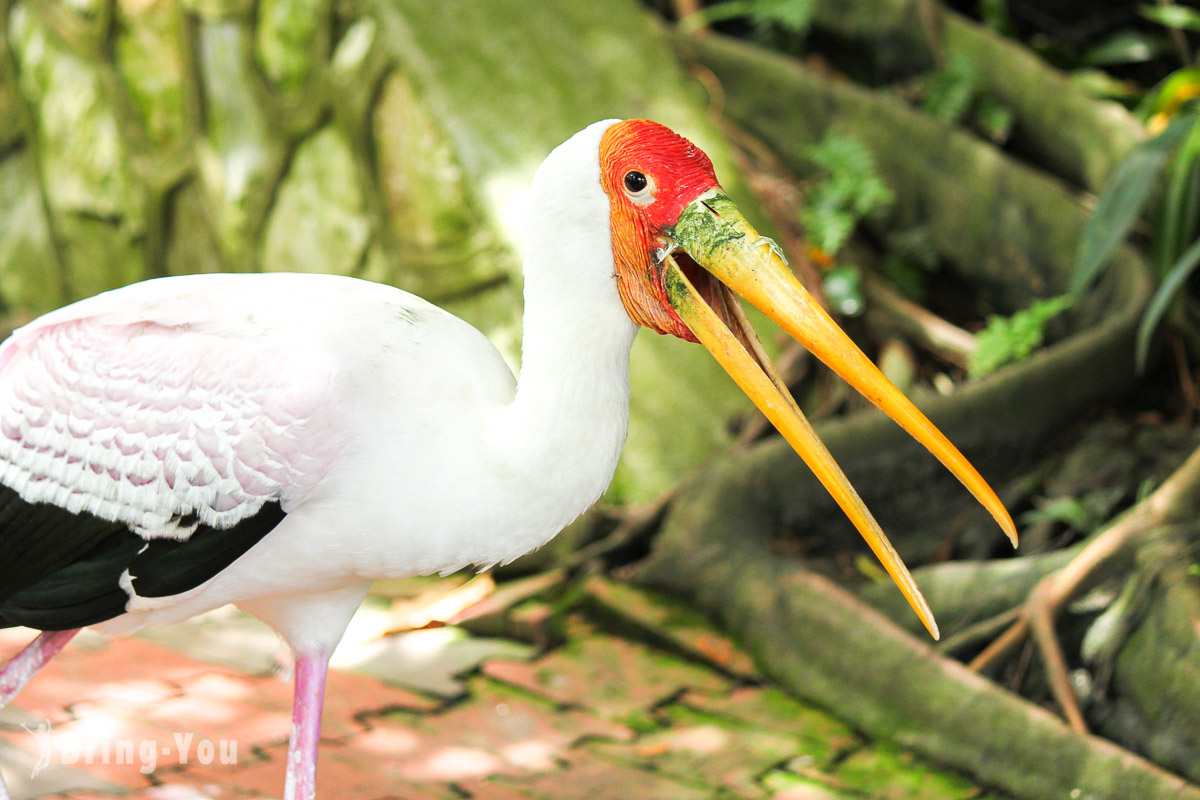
point(849, 190)
point(1175, 226)
point(1125, 47)
point(994, 14)
point(1009, 339)
point(1122, 200)
point(827, 225)
point(792, 15)
point(1171, 93)
point(1098, 83)
point(1180, 18)
point(1085, 513)
point(993, 118)
point(949, 90)
point(1180, 271)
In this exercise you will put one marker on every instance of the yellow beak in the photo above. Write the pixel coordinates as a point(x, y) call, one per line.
point(717, 237)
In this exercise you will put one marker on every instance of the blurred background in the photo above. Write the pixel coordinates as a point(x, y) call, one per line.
point(998, 199)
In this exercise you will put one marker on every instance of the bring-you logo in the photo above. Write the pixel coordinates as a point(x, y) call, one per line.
point(71, 748)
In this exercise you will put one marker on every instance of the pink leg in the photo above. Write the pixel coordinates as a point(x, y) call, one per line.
point(25, 664)
point(308, 699)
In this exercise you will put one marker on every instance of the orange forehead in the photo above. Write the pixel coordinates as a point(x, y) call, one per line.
point(679, 170)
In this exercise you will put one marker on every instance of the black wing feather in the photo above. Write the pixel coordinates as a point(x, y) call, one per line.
point(60, 570)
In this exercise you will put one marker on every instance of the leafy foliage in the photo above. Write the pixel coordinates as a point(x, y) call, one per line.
point(956, 93)
point(1122, 201)
point(1172, 15)
point(949, 90)
point(1175, 248)
point(792, 16)
point(848, 191)
point(1162, 175)
point(1125, 47)
point(1171, 285)
point(993, 118)
point(1085, 513)
point(1009, 339)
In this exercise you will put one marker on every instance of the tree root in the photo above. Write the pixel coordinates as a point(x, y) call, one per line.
point(1175, 501)
point(715, 551)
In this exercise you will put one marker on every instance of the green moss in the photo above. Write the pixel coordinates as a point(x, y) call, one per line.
point(240, 157)
point(440, 242)
point(703, 228)
point(640, 722)
point(100, 254)
point(148, 56)
point(29, 274)
point(781, 781)
point(192, 244)
point(318, 223)
point(12, 128)
point(82, 157)
point(563, 67)
point(287, 34)
point(884, 772)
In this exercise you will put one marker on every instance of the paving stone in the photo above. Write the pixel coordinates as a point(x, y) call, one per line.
point(262, 775)
point(560, 727)
point(514, 612)
point(719, 751)
point(110, 739)
point(613, 678)
point(588, 776)
point(886, 773)
point(489, 790)
point(790, 784)
point(124, 671)
point(343, 771)
point(161, 704)
point(497, 731)
point(782, 785)
point(172, 792)
point(15, 719)
point(671, 622)
point(821, 737)
point(350, 695)
point(224, 637)
point(226, 706)
point(119, 746)
point(428, 661)
point(27, 777)
point(258, 709)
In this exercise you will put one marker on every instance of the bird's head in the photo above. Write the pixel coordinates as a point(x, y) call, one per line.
point(682, 253)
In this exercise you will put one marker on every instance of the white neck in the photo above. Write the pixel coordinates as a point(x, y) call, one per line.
point(564, 430)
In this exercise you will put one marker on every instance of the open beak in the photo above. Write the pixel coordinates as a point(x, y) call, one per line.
point(718, 238)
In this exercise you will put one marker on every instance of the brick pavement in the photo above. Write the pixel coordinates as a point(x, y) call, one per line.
point(639, 700)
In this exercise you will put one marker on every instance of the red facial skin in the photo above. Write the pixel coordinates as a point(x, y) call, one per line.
point(677, 172)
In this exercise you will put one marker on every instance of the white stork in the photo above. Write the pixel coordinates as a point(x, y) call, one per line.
point(278, 441)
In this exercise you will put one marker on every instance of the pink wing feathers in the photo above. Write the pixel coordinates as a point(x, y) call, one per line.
point(162, 426)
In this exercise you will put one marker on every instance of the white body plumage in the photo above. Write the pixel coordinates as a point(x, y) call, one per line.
point(392, 432)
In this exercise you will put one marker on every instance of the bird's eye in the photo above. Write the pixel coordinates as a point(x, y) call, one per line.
point(635, 181)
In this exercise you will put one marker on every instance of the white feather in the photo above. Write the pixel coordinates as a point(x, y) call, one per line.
point(394, 434)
